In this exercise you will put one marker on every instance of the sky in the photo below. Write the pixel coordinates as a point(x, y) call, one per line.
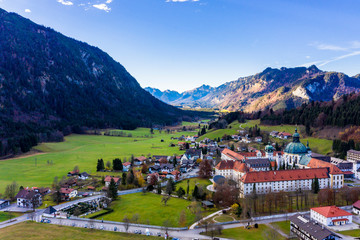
point(182, 44)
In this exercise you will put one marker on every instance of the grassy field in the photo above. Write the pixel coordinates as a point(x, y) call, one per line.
point(192, 183)
point(352, 233)
point(246, 234)
point(150, 209)
point(6, 216)
point(284, 226)
point(82, 150)
point(232, 129)
point(42, 231)
point(224, 218)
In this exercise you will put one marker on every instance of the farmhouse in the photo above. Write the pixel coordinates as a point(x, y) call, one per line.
point(28, 198)
point(4, 203)
point(67, 193)
point(108, 180)
point(356, 207)
point(330, 216)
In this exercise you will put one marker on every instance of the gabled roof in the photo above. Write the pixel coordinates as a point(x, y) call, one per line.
point(357, 204)
point(108, 179)
point(312, 228)
point(331, 211)
point(50, 210)
point(66, 190)
point(232, 154)
point(125, 164)
point(284, 175)
point(234, 165)
point(26, 194)
point(316, 163)
point(141, 158)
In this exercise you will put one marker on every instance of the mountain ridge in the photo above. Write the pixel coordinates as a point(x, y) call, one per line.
point(273, 88)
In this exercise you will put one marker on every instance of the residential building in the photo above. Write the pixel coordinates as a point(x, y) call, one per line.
point(108, 180)
point(68, 193)
point(274, 133)
point(233, 170)
point(307, 229)
point(330, 216)
point(28, 198)
point(126, 166)
point(84, 176)
point(356, 207)
point(353, 156)
point(192, 154)
point(258, 139)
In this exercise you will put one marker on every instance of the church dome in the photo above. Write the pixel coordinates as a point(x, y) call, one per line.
point(296, 147)
point(269, 148)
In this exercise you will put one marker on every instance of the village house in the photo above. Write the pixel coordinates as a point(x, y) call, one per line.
point(126, 166)
point(356, 207)
point(330, 216)
point(28, 198)
point(68, 193)
point(258, 139)
point(192, 154)
point(154, 169)
point(108, 180)
point(140, 160)
point(166, 167)
point(304, 228)
point(84, 176)
point(284, 135)
point(274, 133)
point(227, 154)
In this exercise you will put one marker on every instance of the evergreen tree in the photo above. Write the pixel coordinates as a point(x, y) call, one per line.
point(117, 164)
point(315, 186)
point(195, 193)
point(112, 191)
point(187, 188)
point(123, 179)
point(100, 165)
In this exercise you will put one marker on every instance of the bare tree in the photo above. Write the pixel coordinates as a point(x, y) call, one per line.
point(165, 199)
point(126, 221)
point(270, 234)
point(166, 225)
point(135, 218)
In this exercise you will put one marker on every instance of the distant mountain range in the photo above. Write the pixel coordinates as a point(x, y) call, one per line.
point(272, 88)
point(49, 82)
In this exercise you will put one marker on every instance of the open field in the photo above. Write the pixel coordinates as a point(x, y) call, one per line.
point(242, 233)
point(215, 133)
point(192, 183)
point(150, 209)
point(284, 226)
point(352, 233)
point(82, 150)
point(42, 231)
point(6, 216)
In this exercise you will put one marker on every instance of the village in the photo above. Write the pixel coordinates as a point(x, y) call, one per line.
point(291, 183)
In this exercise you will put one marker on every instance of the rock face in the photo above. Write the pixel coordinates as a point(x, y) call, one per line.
point(272, 88)
point(49, 81)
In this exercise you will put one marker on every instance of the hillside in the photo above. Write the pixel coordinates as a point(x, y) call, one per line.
point(50, 82)
point(272, 88)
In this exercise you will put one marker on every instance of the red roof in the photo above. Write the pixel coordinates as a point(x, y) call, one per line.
point(347, 172)
point(108, 179)
point(232, 154)
point(141, 158)
point(66, 190)
point(126, 164)
point(175, 172)
point(235, 165)
point(331, 211)
point(357, 204)
point(316, 163)
point(340, 220)
point(284, 175)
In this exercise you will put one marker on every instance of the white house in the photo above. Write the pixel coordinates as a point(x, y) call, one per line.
point(68, 193)
point(356, 207)
point(27, 198)
point(330, 216)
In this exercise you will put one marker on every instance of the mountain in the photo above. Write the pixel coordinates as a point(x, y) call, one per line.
point(273, 88)
point(50, 82)
point(166, 96)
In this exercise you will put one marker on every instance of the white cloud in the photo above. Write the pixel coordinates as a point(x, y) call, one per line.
point(27, 10)
point(65, 2)
point(109, 1)
point(307, 57)
point(102, 6)
point(340, 58)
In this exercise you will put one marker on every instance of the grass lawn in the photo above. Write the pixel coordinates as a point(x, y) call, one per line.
point(150, 209)
point(192, 183)
point(246, 234)
point(39, 231)
point(6, 216)
point(82, 150)
point(224, 218)
point(284, 226)
point(352, 233)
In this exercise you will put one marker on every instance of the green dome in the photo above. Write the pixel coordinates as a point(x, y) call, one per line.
point(296, 147)
point(269, 148)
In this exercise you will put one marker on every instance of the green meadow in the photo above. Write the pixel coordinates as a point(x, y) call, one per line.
point(83, 151)
point(150, 210)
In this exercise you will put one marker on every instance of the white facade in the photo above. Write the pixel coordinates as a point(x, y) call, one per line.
point(330, 221)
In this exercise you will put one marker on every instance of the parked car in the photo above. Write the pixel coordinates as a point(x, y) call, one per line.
point(85, 226)
point(102, 227)
point(115, 229)
point(45, 220)
point(159, 234)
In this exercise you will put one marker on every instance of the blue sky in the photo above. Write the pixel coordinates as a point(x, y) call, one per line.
point(182, 44)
